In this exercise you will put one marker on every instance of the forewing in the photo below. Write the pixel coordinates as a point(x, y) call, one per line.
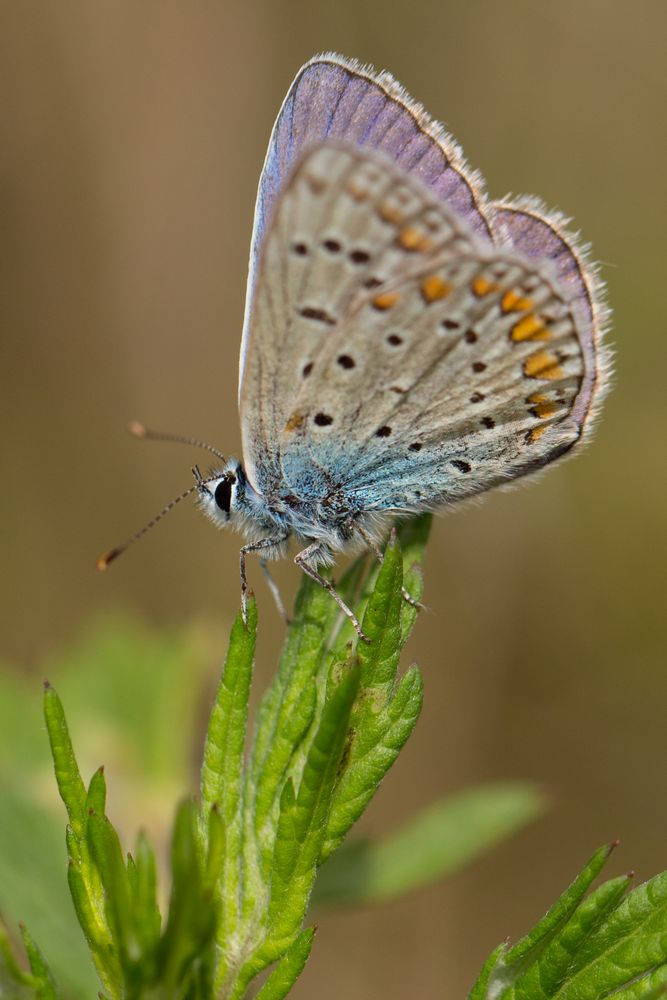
point(336, 98)
point(347, 223)
point(460, 377)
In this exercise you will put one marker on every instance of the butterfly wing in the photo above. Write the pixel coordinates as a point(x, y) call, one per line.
point(430, 368)
point(347, 223)
point(542, 235)
point(337, 98)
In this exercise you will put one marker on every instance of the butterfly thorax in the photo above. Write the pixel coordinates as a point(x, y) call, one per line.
point(229, 499)
point(328, 515)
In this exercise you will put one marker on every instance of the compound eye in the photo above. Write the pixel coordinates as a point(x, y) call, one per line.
point(223, 494)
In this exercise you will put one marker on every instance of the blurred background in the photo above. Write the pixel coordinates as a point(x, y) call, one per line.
point(132, 140)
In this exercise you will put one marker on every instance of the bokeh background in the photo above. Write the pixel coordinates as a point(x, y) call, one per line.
point(132, 139)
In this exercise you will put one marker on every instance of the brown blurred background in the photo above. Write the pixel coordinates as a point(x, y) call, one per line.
point(132, 139)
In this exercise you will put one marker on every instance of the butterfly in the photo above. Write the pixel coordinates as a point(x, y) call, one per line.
point(407, 342)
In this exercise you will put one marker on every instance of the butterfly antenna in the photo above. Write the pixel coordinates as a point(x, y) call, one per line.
point(138, 430)
point(112, 554)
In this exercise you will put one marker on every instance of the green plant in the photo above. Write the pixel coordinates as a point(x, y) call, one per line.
point(262, 844)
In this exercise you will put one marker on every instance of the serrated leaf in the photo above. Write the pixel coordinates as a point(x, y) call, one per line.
point(630, 943)
point(222, 773)
point(385, 713)
point(652, 986)
point(45, 986)
point(561, 910)
point(107, 855)
point(290, 967)
point(225, 738)
point(142, 876)
point(300, 666)
point(185, 955)
point(482, 988)
point(378, 659)
point(442, 839)
point(291, 729)
point(14, 982)
point(96, 796)
point(565, 953)
point(610, 944)
point(301, 827)
point(383, 739)
point(93, 925)
point(70, 784)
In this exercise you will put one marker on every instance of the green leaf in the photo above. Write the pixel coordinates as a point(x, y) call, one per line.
point(92, 922)
point(289, 703)
point(45, 987)
point(185, 956)
point(442, 839)
point(565, 952)
point(608, 944)
point(385, 712)
point(107, 856)
point(482, 990)
point(222, 773)
point(225, 737)
point(288, 970)
point(649, 987)
point(413, 535)
point(33, 885)
point(142, 877)
point(303, 816)
point(14, 982)
point(96, 798)
point(70, 784)
point(561, 910)
point(630, 943)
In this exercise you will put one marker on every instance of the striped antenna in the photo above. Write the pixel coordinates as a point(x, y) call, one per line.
point(138, 430)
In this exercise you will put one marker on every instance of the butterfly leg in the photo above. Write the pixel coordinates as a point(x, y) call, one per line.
point(263, 543)
point(307, 560)
point(273, 587)
point(379, 555)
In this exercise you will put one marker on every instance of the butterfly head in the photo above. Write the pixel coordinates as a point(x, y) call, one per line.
point(221, 493)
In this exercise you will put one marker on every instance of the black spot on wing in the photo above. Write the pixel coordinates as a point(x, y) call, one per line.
point(318, 315)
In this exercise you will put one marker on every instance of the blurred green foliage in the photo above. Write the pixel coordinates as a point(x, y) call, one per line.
point(243, 868)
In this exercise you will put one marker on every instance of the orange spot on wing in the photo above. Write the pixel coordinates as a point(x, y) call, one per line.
point(536, 433)
point(514, 302)
point(482, 286)
point(543, 364)
point(411, 239)
point(544, 410)
point(385, 301)
point(357, 192)
point(295, 421)
point(434, 288)
point(389, 212)
point(531, 327)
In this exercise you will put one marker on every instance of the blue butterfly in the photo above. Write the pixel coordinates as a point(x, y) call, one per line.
point(407, 343)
